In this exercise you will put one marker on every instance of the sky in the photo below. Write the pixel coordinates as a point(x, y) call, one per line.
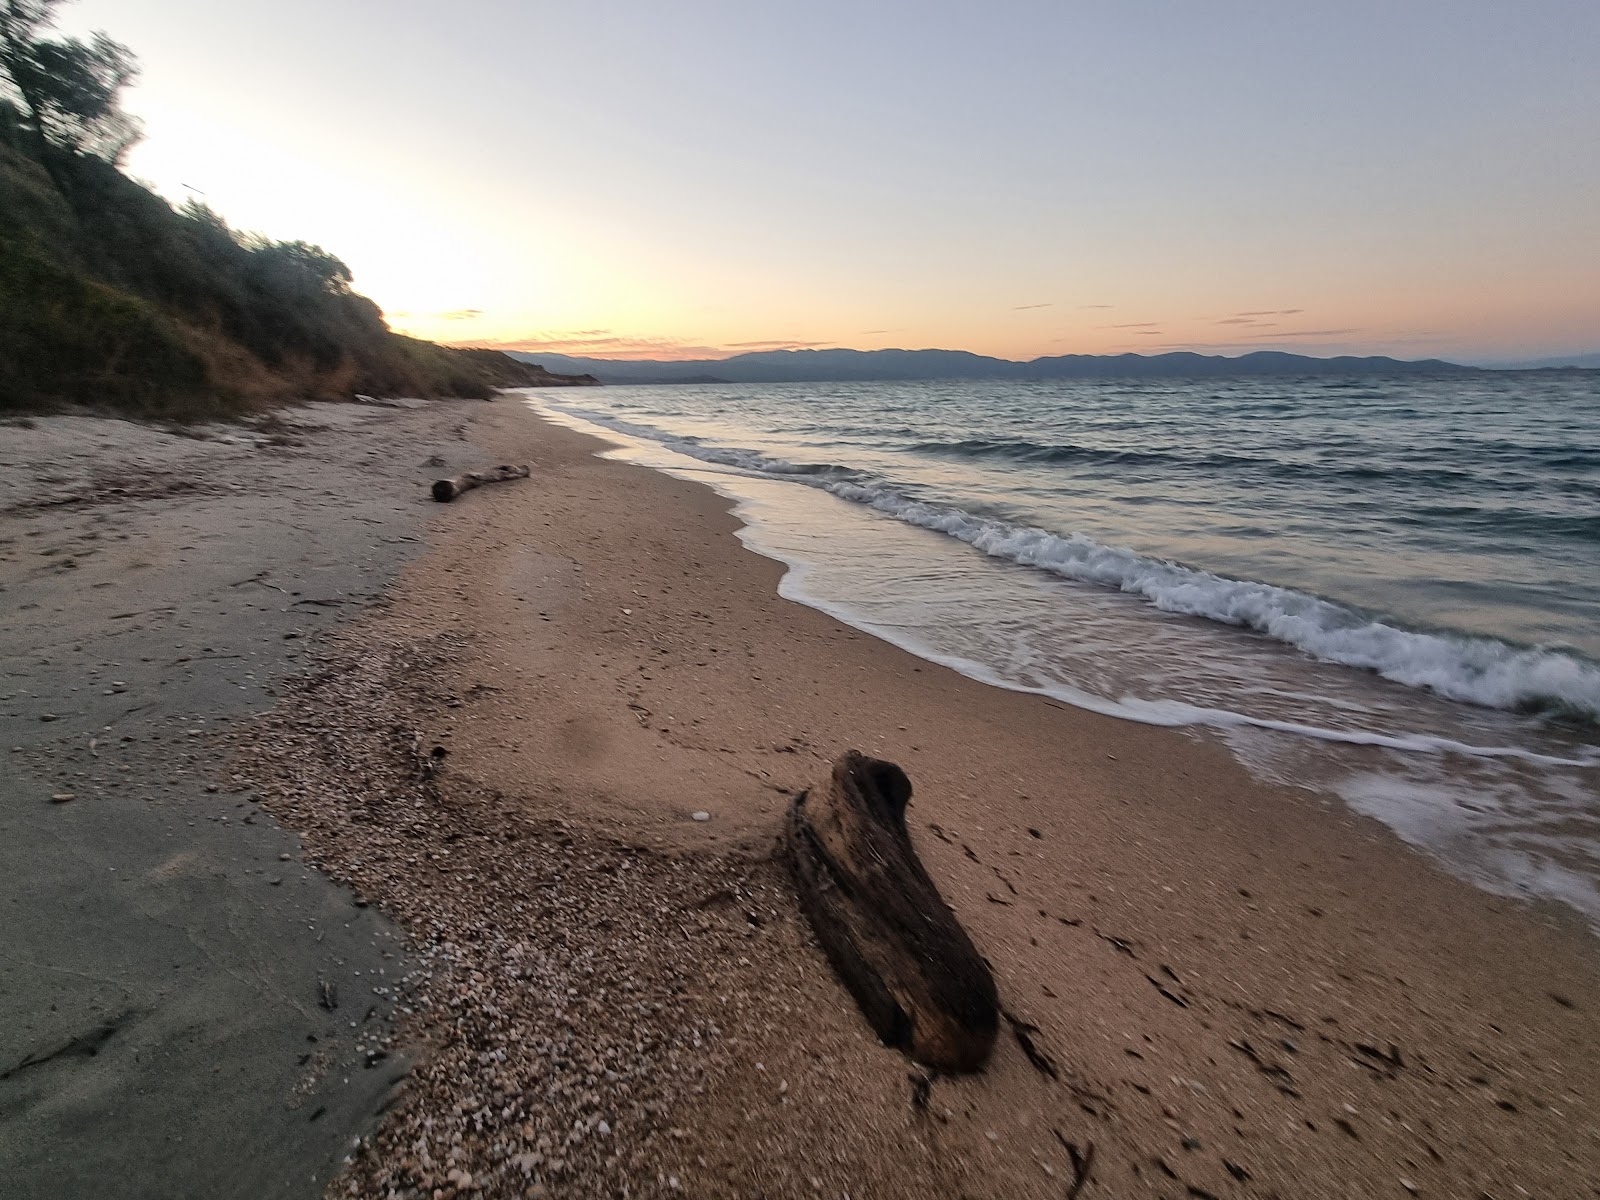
point(632, 178)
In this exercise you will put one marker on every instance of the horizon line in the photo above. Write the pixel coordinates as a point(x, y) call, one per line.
point(522, 346)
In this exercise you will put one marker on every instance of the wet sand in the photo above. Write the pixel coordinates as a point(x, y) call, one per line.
point(164, 1026)
point(1233, 989)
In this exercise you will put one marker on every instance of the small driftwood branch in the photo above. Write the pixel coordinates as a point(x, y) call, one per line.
point(891, 937)
point(446, 490)
point(1082, 1164)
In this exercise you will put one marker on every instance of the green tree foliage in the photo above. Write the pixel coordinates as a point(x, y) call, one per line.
point(65, 93)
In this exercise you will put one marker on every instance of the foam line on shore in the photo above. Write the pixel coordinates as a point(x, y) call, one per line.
point(1162, 713)
point(1474, 670)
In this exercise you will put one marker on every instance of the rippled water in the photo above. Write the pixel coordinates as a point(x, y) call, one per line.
point(1218, 555)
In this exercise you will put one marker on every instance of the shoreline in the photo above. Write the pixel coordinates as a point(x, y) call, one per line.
point(896, 581)
point(1240, 989)
point(1222, 972)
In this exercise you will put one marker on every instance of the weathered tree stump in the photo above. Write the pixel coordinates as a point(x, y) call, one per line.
point(446, 490)
point(890, 936)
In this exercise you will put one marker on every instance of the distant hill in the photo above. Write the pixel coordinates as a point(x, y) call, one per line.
point(1588, 362)
point(829, 366)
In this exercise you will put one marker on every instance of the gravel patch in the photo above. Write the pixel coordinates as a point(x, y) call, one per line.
point(572, 994)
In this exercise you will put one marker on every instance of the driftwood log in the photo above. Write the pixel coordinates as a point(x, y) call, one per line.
point(911, 967)
point(446, 490)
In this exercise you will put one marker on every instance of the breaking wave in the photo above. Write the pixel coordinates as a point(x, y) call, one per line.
point(1474, 670)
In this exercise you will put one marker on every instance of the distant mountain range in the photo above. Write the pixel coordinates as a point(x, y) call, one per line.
point(827, 366)
point(1585, 362)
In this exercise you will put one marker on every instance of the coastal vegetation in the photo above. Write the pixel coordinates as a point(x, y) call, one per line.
point(113, 298)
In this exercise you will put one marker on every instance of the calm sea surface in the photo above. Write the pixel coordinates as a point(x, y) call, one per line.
point(1388, 589)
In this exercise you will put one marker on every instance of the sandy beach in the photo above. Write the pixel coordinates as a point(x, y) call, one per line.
point(499, 736)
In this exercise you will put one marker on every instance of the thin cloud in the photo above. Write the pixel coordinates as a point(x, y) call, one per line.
point(1311, 344)
point(1149, 333)
point(1225, 349)
point(1025, 307)
point(591, 344)
point(1294, 333)
point(1097, 306)
point(457, 314)
point(778, 345)
point(1134, 325)
point(1237, 321)
point(1271, 312)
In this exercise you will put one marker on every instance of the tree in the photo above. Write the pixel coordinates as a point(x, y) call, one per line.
point(65, 93)
point(299, 265)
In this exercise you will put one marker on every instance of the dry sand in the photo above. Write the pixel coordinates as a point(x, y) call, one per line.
point(1234, 990)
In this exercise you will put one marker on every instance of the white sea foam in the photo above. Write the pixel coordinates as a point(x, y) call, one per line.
point(1174, 714)
point(1473, 670)
point(1494, 835)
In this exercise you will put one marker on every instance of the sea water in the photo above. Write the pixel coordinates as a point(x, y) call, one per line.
point(1384, 589)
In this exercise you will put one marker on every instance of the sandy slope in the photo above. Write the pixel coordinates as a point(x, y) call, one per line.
point(1241, 990)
